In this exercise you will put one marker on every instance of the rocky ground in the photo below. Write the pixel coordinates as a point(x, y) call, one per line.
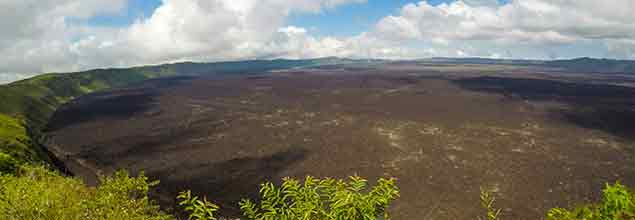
point(537, 140)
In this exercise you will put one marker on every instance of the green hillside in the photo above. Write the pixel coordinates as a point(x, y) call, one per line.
point(28, 104)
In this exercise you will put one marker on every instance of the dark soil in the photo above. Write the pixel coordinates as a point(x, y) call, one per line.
point(537, 142)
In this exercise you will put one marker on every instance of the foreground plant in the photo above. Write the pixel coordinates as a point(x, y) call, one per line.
point(198, 209)
point(313, 199)
point(322, 199)
point(38, 193)
point(487, 202)
point(618, 203)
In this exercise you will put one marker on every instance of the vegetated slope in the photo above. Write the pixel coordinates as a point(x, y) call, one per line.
point(28, 104)
point(38, 193)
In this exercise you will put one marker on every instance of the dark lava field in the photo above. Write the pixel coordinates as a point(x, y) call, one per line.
point(537, 138)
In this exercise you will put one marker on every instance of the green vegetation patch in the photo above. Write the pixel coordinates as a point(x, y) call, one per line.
point(37, 98)
point(15, 144)
point(618, 203)
point(38, 193)
point(314, 199)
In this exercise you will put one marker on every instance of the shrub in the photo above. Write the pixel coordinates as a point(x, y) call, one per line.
point(314, 199)
point(198, 209)
point(8, 164)
point(487, 202)
point(618, 203)
point(322, 199)
point(38, 193)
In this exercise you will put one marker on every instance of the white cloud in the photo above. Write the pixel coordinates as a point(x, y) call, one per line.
point(622, 48)
point(12, 77)
point(44, 35)
point(220, 30)
point(35, 34)
point(48, 40)
point(487, 26)
point(482, 2)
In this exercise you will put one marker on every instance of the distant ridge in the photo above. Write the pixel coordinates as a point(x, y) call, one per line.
point(588, 65)
point(581, 65)
point(224, 67)
point(480, 60)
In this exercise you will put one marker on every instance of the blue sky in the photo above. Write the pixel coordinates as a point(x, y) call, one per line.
point(347, 20)
point(73, 35)
point(353, 19)
point(135, 10)
point(342, 21)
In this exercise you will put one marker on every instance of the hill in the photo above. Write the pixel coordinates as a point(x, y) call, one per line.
point(588, 65)
point(483, 61)
point(581, 65)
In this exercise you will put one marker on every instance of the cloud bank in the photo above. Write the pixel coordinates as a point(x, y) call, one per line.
point(44, 35)
point(519, 29)
point(199, 30)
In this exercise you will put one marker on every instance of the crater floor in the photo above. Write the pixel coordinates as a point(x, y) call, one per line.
point(537, 141)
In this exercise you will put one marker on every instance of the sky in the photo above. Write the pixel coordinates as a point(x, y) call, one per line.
point(39, 36)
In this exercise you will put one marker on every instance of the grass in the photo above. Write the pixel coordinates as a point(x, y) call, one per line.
point(16, 146)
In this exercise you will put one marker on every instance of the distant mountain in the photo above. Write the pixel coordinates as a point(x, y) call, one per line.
point(581, 65)
point(592, 65)
point(479, 60)
point(233, 67)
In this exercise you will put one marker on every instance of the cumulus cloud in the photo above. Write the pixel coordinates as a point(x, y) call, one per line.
point(38, 32)
point(12, 77)
point(541, 24)
point(47, 40)
point(44, 35)
point(218, 30)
